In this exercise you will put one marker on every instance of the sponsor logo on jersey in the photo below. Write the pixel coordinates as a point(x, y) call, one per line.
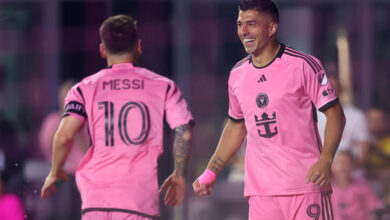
point(267, 126)
point(327, 91)
point(262, 100)
point(322, 79)
point(262, 79)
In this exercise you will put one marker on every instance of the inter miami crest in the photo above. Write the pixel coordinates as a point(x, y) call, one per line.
point(262, 100)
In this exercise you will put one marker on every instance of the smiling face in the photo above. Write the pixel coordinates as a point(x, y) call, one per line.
point(255, 30)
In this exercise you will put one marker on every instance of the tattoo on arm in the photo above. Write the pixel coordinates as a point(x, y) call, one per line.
point(217, 164)
point(182, 148)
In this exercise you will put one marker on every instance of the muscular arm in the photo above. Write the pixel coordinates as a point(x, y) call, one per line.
point(182, 148)
point(335, 122)
point(175, 183)
point(62, 144)
point(231, 140)
point(320, 172)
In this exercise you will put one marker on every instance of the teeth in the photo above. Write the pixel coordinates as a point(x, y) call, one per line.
point(248, 40)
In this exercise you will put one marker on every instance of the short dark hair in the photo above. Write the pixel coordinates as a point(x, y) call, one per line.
point(262, 6)
point(119, 34)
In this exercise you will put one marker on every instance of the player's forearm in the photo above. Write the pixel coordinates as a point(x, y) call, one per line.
point(333, 132)
point(61, 147)
point(231, 140)
point(182, 148)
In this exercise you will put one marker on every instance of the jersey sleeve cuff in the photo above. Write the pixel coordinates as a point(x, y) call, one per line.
point(235, 119)
point(81, 118)
point(328, 105)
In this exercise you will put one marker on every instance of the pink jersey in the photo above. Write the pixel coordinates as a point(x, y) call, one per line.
point(356, 202)
point(125, 107)
point(277, 102)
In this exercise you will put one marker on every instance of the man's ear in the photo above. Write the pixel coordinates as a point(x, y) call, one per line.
point(273, 28)
point(102, 50)
point(139, 47)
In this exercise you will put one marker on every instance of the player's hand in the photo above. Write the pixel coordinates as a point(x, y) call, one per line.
point(175, 186)
point(50, 183)
point(320, 173)
point(202, 189)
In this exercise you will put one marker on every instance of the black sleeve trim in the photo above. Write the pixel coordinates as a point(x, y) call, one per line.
point(328, 105)
point(235, 119)
point(119, 210)
point(81, 93)
point(191, 123)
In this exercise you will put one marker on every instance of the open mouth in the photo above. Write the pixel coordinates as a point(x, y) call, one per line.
point(249, 42)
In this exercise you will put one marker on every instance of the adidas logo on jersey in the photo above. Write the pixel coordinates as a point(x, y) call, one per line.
point(262, 79)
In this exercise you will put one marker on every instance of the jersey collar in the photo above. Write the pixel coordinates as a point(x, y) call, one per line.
point(278, 55)
point(119, 66)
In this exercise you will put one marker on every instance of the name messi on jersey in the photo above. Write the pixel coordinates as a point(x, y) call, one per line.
point(123, 84)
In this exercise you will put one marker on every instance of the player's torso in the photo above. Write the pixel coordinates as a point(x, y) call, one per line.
point(274, 104)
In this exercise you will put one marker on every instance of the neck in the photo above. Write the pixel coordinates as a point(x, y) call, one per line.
point(126, 58)
point(266, 55)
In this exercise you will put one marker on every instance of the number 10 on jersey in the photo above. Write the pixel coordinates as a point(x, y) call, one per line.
point(123, 123)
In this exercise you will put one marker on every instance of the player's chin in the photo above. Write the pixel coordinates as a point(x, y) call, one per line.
point(249, 50)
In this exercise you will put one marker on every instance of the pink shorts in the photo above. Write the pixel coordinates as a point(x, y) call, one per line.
point(108, 215)
point(309, 206)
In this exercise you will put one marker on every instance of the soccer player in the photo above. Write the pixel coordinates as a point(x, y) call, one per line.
point(124, 107)
point(273, 93)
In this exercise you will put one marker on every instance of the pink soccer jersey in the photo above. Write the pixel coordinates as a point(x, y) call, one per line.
point(125, 107)
point(355, 202)
point(277, 102)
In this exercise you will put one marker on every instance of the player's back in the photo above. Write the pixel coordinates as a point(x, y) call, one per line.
point(125, 107)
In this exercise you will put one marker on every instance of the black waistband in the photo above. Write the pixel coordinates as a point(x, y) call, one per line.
point(119, 210)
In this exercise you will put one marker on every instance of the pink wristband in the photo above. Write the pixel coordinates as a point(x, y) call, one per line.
point(207, 177)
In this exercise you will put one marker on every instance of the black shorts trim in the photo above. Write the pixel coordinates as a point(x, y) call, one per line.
point(328, 105)
point(83, 211)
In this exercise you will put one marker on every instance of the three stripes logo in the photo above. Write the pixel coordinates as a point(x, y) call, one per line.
point(262, 79)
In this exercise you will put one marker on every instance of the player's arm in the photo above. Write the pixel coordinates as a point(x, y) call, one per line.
point(62, 144)
point(175, 183)
point(320, 172)
point(231, 140)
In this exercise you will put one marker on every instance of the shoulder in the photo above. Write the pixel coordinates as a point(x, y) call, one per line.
point(241, 63)
point(301, 57)
point(150, 75)
point(92, 79)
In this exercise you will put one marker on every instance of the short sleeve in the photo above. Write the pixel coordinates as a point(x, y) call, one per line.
point(75, 103)
point(235, 112)
point(177, 111)
point(317, 86)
